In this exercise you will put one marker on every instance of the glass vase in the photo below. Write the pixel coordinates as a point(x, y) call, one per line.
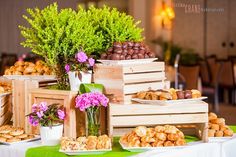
point(93, 121)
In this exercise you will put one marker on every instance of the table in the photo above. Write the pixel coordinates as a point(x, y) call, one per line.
point(35, 149)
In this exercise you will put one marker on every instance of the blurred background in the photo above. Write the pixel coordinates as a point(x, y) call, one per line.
point(201, 32)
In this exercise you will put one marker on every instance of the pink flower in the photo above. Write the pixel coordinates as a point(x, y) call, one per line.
point(81, 57)
point(40, 114)
point(34, 107)
point(43, 106)
point(32, 121)
point(91, 61)
point(61, 114)
point(67, 68)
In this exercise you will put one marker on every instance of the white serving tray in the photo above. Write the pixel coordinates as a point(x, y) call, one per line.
point(142, 149)
point(23, 141)
point(127, 62)
point(220, 139)
point(85, 152)
point(166, 102)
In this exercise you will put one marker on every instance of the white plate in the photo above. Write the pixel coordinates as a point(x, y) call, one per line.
point(85, 152)
point(23, 141)
point(221, 139)
point(142, 149)
point(166, 102)
point(127, 62)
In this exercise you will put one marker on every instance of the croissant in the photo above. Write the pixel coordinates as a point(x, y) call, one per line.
point(141, 131)
point(161, 136)
point(159, 128)
point(172, 137)
point(158, 144)
point(169, 143)
point(180, 142)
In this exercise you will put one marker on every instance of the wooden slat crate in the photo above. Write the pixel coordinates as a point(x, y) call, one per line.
point(74, 124)
point(123, 81)
point(21, 86)
point(123, 117)
point(5, 108)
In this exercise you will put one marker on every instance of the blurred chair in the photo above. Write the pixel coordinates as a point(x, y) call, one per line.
point(210, 71)
point(227, 79)
point(7, 60)
point(191, 74)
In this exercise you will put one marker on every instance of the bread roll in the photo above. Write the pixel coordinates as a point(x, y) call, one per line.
point(228, 132)
point(211, 133)
point(219, 133)
point(196, 93)
point(212, 116)
point(141, 131)
point(215, 126)
point(168, 144)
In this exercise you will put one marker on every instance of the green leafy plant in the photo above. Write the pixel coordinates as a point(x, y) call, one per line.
point(57, 35)
point(114, 26)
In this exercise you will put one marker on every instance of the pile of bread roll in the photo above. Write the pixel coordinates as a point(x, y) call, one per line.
point(10, 134)
point(28, 68)
point(86, 143)
point(217, 126)
point(160, 136)
point(170, 94)
point(5, 87)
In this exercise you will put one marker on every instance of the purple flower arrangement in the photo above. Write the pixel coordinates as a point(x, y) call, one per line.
point(46, 115)
point(92, 99)
point(81, 62)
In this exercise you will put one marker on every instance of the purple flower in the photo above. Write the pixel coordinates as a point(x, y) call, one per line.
point(43, 106)
point(87, 100)
point(91, 61)
point(81, 57)
point(32, 121)
point(40, 114)
point(34, 107)
point(67, 68)
point(61, 114)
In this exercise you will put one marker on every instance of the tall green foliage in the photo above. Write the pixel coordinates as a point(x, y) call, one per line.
point(114, 25)
point(57, 35)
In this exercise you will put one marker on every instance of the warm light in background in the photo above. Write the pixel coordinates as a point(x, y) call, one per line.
point(167, 15)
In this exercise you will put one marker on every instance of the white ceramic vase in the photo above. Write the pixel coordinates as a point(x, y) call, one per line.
point(78, 77)
point(51, 135)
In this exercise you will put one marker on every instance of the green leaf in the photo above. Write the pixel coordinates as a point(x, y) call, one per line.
point(91, 87)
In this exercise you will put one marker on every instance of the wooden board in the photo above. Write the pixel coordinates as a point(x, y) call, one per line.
point(123, 81)
point(5, 108)
point(21, 88)
point(122, 117)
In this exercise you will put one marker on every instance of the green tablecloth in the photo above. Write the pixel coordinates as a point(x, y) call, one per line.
point(117, 151)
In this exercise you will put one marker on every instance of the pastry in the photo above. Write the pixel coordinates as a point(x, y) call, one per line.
point(92, 142)
point(180, 134)
point(165, 96)
point(135, 143)
point(219, 133)
point(141, 131)
point(13, 139)
point(3, 139)
point(169, 129)
point(172, 137)
point(211, 133)
point(161, 136)
point(141, 95)
point(104, 142)
point(7, 136)
point(168, 144)
point(5, 129)
point(158, 144)
point(212, 116)
point(215, 126)
point(145, 144)
point(159, 128)
point(223, 127)
point(180, 94)
point(150, 132)
point(22, 136)
point(180, 142)
point(187, 94)
point(173, 94)
point(16, 131)
point(19, 63)
point(196, 93)
point(147, 139)
point(218, 121)
point(228, 132)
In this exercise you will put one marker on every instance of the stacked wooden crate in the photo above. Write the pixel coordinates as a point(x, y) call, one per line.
point(21, 86)
point(123, 81)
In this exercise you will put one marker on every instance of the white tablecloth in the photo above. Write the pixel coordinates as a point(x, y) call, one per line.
point(219, 149)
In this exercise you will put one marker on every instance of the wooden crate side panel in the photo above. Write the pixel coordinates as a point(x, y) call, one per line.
point(123, 121)
point(6, 118)
point(134, 88)
point(107, 72)
point(138, 68)
point(141, 109)
point(144, 77)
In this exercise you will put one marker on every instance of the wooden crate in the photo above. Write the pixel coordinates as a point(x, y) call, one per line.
point(123, 81)
point(74, 124)
point(123, 117)
point(21, 85)
point(5, 108)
